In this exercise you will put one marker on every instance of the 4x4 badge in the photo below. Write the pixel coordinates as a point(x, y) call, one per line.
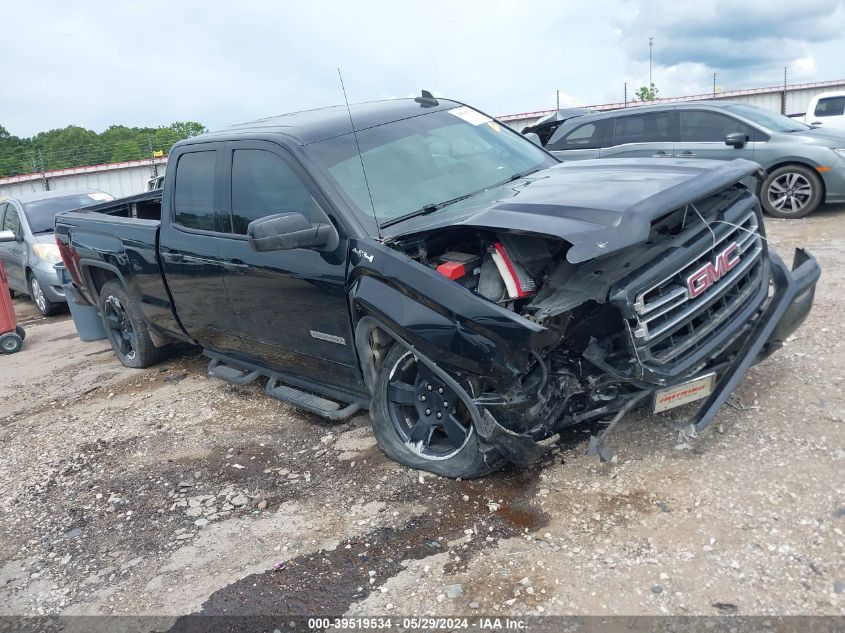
point(363, 254)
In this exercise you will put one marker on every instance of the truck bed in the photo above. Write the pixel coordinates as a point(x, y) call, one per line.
point(143, 206)
point(120, 239)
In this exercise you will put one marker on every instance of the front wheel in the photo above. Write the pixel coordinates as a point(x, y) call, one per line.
point(125, 327)
point(791, 191)
point(44, 305)
point(420, 422)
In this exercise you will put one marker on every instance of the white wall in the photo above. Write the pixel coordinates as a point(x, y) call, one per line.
point(120, 179)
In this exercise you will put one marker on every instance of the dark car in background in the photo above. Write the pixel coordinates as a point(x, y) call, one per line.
point(548, 125)
point(804, 166)
point(30, 257)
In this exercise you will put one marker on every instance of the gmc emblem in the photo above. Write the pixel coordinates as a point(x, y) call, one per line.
point(710, 273)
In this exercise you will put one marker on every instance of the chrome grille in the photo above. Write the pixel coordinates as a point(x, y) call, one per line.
point(670, 324)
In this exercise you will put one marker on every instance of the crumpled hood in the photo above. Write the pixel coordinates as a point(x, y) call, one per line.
point(599, 206)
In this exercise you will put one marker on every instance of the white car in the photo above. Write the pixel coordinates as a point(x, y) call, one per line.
point(827, 110)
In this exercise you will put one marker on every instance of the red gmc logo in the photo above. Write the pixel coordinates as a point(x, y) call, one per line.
point(710, 273)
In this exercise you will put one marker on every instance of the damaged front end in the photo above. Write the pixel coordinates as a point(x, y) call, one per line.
point(535, 342)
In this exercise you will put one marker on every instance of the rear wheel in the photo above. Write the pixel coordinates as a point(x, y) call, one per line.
point(44, 305)
point(126, 329)
point(20, 332)
point(420, 422)
point(791, 191)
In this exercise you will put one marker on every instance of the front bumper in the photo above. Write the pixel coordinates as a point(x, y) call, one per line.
point(834, 183)
point(788, 306)
point(46, 275)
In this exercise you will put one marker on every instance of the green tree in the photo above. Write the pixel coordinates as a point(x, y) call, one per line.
point(646, 93)
point(128, 149)
point(74, 146)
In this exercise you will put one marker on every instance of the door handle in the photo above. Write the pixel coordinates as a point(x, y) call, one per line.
point(686, 155)
point(236, 266)
point(661, 154)
point(173, 258)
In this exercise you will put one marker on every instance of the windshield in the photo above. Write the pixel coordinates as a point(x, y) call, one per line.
point(41, 213)
point(425, 161)
point(768, 119)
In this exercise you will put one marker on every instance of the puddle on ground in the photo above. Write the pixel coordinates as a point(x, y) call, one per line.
point(328, 582)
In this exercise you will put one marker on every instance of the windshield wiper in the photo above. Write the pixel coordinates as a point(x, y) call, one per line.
point(425, 210)
point(44, 231)
point(431, 208)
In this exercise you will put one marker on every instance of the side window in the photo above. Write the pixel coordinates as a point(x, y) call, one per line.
point(263, 184)
point(587, 136)
point(655, 127)
point(832, 106)
point(703, 126)
point(194, 196)
point(12, 222)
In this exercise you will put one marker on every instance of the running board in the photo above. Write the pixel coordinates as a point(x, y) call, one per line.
point(308, 401)
point(232, 375)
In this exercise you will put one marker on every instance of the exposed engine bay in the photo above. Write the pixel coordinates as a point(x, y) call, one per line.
point(526, 274)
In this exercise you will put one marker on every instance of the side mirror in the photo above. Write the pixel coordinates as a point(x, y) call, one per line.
point(736, 139)
point(284, 231)
point(8, 236)
point(534, 138)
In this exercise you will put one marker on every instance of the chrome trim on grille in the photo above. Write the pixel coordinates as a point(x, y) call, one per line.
point(667, 322)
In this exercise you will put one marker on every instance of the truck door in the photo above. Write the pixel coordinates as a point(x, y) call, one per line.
point(291, 305)
point(193, 226)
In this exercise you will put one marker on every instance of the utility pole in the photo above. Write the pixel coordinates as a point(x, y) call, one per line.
point(557, 99)
point(626, 94)
point(714, 85)
point(153, 166)
point(783, 94)
point(650, 47)
point(43, 175)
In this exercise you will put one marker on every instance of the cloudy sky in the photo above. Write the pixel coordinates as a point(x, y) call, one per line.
point(96, 63)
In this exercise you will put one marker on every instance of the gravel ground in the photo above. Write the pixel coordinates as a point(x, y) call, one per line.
point(162, 491)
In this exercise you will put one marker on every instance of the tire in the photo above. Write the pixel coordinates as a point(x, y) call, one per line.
point(408, 436)
point(10, 343)
point(125, 328)
point(45, 306)
point(20, 332)
point(791, 191)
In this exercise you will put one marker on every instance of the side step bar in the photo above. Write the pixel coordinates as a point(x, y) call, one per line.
point(232, 375)
point(309, 402)
point(288, 389)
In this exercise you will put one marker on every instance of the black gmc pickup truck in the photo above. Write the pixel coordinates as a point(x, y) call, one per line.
point(433, 266)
